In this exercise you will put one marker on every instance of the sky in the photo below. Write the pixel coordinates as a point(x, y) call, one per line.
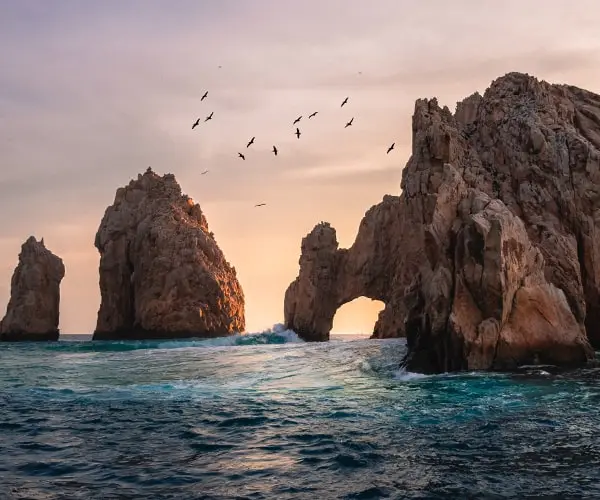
point(92, 93)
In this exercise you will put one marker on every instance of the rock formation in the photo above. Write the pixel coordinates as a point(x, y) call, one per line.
point(33, 309)
point(162, 274)
point(490, 257)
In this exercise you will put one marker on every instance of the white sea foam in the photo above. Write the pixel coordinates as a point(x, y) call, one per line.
point(277, 334)
point(405, 376)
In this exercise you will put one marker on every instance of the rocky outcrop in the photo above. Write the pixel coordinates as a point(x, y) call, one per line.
point(493, 260)
point(330, 277)
point(33, 309)
point(162, 274)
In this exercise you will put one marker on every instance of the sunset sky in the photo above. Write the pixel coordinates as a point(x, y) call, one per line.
point(92, 93)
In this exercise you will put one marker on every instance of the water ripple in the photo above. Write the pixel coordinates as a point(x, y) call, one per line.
point(272, 417)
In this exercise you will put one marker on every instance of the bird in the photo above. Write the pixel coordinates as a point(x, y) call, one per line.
point(220, 67)
point(350, 122)
point(274, 150)
point(241, 156)
point(204, 96)
point(209, 117)
point(344, 102)
point(297, 120)
point(390, 148)
point(196, 123)
point(313, 114)
point(250, 143)
point(297, 132)
point(205, 172)
point(260, 205)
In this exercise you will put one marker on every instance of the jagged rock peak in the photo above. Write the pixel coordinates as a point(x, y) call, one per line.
point(162, 273)
point(499, 200)
point(33, 309)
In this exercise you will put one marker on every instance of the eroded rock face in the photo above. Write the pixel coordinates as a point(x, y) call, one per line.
point(330, 277)
point(33, 310)
point(162, 273)
point(494, 258)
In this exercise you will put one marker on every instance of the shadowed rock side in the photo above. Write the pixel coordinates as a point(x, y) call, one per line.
point(493, 261)
point(162, 274)
point(33, 310)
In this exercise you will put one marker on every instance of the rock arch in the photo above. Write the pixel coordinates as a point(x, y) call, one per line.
point(489, 258)
point(331, 276)
point(357, 317)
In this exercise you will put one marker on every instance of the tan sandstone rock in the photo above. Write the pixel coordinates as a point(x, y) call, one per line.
point(162, 274)
point(33, 310)
point(493, 260)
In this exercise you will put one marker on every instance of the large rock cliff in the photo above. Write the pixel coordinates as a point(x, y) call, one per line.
point(492, 259)
point(162, 274)
point(33, 309)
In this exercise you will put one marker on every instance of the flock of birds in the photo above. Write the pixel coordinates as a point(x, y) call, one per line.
point(297, 133)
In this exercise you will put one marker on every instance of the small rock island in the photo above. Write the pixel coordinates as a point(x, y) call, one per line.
point(490, 257)
point(33, 309)
point(162, 274)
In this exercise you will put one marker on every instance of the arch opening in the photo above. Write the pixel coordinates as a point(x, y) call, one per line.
point(357, 317)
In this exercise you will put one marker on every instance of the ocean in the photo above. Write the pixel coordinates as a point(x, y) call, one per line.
point(267, 416)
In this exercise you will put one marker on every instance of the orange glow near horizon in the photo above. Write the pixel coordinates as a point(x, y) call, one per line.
point(357, 316)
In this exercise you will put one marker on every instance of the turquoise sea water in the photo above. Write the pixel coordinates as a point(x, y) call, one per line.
point(268, 416)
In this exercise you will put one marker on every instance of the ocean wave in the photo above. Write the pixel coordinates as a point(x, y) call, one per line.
point(277, 334)
point(406, 376)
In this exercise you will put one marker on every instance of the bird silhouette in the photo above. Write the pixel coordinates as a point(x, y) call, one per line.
point(390, 148)
point(297, 120)
point(313, 114)
point(349, 123)
point(205, 172)
point(344, 102)
point(209, 117)
point(260, 205)
point(204, 96)
point(274, 150)
point(241, 156)
point(251, 142)
point(297, 132)
point(196, 123)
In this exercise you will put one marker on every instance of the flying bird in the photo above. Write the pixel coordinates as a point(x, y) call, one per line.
point(260, 205)
point(390, 148)
point(297, 120)
point(344, 102)
point(274, 150)
point(196, 123)
point(205, 172)
point(349, 123)
point(204, 96)
point(297, 132)
point(241, 156)
point(250, 143)
point(313, 114)
point(209, 117)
